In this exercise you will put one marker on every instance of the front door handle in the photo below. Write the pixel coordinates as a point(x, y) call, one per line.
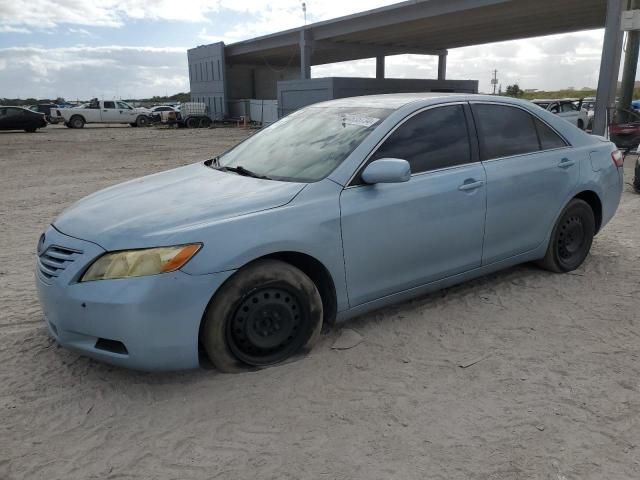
point(566, 163)
point(470, 185)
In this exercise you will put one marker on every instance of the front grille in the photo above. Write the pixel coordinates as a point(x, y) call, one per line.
point(55, 259)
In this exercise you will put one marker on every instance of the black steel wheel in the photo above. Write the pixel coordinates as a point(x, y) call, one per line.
point(267, 326)
point(266, 313)
point(571, 238)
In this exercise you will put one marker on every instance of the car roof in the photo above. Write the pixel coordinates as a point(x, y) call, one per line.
point(396, 101)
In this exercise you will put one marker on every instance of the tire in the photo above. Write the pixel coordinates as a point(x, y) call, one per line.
point(30, 130)
point(571, 238)
point(266, 313)
point(580, 124)
point(205, 122)
point(134, 125)
point(142, 121)
point(76, 121)
point(67, 124)
point(192, 122)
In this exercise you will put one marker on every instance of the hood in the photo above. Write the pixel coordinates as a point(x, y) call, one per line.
point(169, 207)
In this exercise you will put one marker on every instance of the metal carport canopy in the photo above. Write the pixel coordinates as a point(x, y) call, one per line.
point(421, 26)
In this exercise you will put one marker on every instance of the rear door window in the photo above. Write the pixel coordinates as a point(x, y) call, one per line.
point(504, 131)
point(434, 139)
point(109, 105)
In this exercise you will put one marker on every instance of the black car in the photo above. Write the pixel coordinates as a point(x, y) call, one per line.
point(46, 109)
point(18, 118)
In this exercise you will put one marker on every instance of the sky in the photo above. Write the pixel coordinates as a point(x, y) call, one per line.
point(137, 48)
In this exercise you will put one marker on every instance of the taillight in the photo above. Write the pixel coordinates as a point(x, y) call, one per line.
point(618, 158)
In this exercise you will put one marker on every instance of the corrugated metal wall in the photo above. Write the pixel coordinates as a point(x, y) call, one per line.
point(207, 78)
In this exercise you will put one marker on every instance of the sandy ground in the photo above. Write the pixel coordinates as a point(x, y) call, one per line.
point(555, 394)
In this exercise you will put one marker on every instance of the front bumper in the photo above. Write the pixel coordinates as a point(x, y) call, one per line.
point(144, 323)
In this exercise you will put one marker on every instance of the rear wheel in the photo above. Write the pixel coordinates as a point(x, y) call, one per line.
point(205, 122)
point(193, 122)
point(30, 130)
point(267, 312)
point(580, 124)
point(76, 122)
point(142, 121)
point(571, 238)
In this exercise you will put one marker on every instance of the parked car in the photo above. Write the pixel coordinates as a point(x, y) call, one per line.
point(46, 109)
point(337, 209)
point(19, 118)
point(567, 109)
point(103, 111)
point(164, 114)
point(624, 128)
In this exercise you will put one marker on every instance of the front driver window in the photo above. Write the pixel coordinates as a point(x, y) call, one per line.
point(434, 139)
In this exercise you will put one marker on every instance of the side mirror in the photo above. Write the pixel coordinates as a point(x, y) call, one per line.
point(387, 170)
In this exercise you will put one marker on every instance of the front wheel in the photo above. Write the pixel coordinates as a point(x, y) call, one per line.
point(571, 238)
point(142, 121)
point(266, 313)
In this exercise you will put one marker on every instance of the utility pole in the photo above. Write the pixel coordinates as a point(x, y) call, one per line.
point(494, 81)
point(630, 65)
point(304, 11)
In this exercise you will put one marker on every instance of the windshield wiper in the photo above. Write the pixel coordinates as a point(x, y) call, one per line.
point(240, 170)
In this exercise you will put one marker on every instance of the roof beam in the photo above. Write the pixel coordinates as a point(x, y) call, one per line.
point(370, 50)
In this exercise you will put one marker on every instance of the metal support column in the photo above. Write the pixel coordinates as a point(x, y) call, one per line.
point(442, 66)
point(380, 66)
point(609, 66)
point(630, 66)
point(306, 41)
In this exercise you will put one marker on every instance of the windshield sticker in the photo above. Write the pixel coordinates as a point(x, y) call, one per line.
point(360, 120)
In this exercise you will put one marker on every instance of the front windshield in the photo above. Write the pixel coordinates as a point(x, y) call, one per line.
point(305, 146)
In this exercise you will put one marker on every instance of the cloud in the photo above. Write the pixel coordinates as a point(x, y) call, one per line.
point(85, 72)
point(10, 29)
point(263, 17)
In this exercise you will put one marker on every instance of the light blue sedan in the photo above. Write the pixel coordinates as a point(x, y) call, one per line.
point(333, 211)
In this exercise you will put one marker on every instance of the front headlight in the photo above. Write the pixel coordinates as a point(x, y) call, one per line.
point(138, 263)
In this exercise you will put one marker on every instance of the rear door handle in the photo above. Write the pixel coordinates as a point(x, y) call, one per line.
point(470, 185)
point(566, 163)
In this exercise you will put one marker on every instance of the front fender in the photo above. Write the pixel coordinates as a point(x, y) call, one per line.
point(310, 225)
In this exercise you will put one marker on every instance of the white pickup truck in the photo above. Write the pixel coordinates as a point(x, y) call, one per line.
point(103, 111)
